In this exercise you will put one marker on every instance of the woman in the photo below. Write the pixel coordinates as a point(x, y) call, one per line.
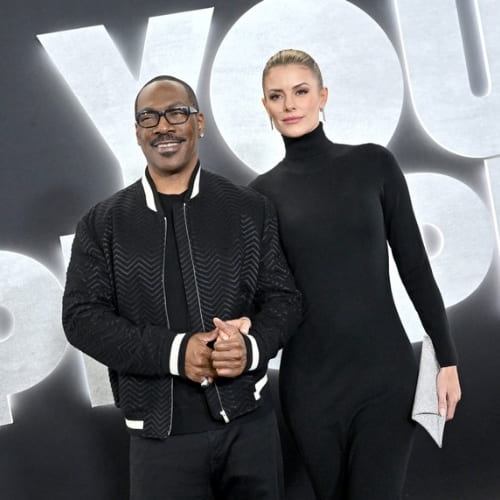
point(347, 378)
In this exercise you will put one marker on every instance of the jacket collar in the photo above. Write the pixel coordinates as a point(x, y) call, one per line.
point(151, 194)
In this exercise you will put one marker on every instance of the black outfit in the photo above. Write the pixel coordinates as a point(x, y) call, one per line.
point(116, 309)
point(241, 461)
point(347, 379)
point(189, 411)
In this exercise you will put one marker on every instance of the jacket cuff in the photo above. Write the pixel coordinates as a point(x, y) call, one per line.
point(177, 355)
point(253, 354)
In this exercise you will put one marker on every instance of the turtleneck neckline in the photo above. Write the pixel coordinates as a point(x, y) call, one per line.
point(307, 146)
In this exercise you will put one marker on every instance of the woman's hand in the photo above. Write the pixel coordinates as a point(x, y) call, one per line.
point(243, 324)
point(449, 392)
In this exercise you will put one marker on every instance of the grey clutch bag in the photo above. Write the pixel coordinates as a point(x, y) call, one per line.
point(425, 405)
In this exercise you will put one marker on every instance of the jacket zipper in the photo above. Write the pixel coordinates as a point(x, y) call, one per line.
point(223, 411)
point(194, 269)
point(165, 226)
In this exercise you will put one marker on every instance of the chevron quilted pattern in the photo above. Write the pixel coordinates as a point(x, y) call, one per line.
point(114, 306)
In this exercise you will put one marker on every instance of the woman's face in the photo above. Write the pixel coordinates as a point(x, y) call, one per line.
point(292, 99)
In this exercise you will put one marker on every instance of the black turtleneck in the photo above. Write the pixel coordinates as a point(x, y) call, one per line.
point(338, 206)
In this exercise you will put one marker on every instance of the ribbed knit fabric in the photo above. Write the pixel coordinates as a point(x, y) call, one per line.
point(338, 205)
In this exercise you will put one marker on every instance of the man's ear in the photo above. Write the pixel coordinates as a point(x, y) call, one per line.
point(201, 124)
point(137, 134)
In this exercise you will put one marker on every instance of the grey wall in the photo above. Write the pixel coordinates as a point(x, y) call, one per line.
point(420, 77)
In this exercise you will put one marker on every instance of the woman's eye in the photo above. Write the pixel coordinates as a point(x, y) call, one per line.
point(274, 97)
point(302, 91)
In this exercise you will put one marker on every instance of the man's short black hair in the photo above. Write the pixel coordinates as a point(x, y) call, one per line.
point(190, 92)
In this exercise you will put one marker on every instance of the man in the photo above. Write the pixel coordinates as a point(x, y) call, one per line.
point(159, 273)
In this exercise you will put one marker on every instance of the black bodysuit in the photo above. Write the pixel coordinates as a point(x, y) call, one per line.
point(347, 378)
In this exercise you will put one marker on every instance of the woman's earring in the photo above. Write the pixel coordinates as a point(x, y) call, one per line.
point(202, 135)
point(271, 120)
point(323, 114)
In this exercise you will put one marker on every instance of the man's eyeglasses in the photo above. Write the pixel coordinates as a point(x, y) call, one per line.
point(175, 116)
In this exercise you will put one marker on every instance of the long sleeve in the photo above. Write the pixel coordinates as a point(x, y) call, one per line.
point(413, 264)
point(92, 322)
point(278, 302)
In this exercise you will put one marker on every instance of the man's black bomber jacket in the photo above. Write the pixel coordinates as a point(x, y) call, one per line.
point(114, 306)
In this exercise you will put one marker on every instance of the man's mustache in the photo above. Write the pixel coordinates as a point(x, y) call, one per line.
point(166, 138)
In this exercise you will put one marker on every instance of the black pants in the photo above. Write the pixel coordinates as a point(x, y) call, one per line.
point(241, 461)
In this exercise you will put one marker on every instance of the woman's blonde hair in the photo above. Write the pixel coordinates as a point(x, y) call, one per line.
point(293, 56)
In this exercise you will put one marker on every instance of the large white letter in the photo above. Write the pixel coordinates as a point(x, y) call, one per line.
point(97, 74)
point(31, 338)
point(459, 236)
point(492, 171)
point(358, 62)
point(451, 61)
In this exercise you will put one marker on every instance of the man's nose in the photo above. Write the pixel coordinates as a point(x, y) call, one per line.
point(164, 125)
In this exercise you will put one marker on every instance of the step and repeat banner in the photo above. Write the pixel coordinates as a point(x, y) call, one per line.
point(422, 78)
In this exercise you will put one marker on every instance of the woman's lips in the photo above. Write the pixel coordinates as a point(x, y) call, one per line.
point(292, 119)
